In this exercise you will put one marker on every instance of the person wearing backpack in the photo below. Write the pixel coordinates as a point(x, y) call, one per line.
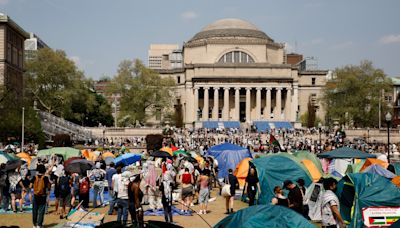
point(98, 175)
point(64, 188)
point(84, 188)
point(41, 185)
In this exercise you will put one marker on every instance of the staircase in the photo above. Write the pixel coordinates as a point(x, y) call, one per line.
point(53, 125)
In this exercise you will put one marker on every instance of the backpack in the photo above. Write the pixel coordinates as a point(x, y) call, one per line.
point(39, 187)
point(63, 186)
point(84, 186)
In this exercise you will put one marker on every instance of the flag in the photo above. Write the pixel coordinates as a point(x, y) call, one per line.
point(274, 141)
point(174, 148)
point(377, 220)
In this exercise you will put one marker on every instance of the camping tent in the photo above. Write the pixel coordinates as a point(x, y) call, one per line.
point(241, 171)
point(274, 169)
point(345, 152)
point(377, 169)
point(360, 190)
point(372, 161)
point(303, 154)
point(264, 216)
point(228, 156)
point(66, 152)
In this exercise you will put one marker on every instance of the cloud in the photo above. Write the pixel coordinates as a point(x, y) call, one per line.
point(189, 15)
point(342, 45)
point(75, 59)
point(390, 39)
point(3, 2)
point(317, 41)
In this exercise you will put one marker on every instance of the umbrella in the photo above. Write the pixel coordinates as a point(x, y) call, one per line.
point(167, 149)
point(79, 166)
point(160, 154)
point(108, 160)
point(66, 152)
point(184, 153)
point(108, 154)
point(5, 157)
point(13, 164)
point(127, 159)
point(25, 156)
point(70, 160)
point(10, 147)
point(191, 160)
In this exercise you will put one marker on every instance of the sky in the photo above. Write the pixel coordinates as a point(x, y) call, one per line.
point(99, 34)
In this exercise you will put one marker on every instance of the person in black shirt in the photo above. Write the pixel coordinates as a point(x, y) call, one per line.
point(232, 180)
point(295, 197)
point(253, 185)
point(279, 199)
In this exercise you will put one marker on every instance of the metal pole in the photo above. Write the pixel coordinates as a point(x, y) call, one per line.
point(23, 133)
point(379, 109)
point(388, 149)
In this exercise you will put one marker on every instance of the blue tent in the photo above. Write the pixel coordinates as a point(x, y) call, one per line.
point(345, 152)
point(228, 156)
point(377, 169)
point(264, 216)
point(127, 159)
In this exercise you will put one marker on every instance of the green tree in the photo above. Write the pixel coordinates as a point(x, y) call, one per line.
point(353, 95)
point(143, 92)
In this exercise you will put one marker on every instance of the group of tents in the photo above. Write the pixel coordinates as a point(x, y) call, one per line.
point(366, 183)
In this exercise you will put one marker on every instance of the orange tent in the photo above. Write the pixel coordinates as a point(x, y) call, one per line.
point(25, 156)
point(241, 171)
point(107, 154)
point(89, 155)
point(396, 181)
point(312, 169)
point(167, 149)
point(373, 161)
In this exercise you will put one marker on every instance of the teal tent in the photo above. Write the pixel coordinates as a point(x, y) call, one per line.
point(274, 169)
point(360, 190)
point(66, 152)
point(264, 216)
point(303, 154)
point(346, 152)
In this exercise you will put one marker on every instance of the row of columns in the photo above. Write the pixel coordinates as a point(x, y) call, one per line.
point(225, 111)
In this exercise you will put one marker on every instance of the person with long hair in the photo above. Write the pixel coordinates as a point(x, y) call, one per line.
point(187, 182)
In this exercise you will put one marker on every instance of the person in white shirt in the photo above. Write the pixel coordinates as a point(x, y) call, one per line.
point(122, 195)
point(330, 210)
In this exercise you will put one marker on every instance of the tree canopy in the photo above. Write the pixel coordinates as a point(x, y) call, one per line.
point(353, 95)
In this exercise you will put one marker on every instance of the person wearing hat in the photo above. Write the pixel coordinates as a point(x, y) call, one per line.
point(41, 185)
point(295, 197)
point(98, 175)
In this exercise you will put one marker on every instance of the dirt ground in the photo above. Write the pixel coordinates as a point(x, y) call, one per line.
point(216, 213)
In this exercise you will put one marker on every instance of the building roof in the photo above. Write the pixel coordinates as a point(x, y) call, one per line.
point(6, 19)
point(230, 27)
point(395, 81)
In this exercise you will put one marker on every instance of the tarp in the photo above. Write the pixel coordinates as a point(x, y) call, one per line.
point(25, 156)
point(314, 196)
point(274, 169)
point(241, 171)
point(397, 168)
point(372, 161)
point(345, 152)
point(4, 157)
point(303, 154)
point(377, 169)
point(264, 216)
point(359, 190)
point(66, 152)
point(312, 169)
point(228, 156)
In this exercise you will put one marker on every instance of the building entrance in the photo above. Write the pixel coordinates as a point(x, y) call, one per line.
point(242, 112)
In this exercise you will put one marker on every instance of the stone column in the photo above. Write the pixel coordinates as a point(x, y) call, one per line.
point(267, 112)
point(248, 99)
point(278, 103)
point(258, 103)
point(288, 103)
point(237, 104)
point(295, 101)
point(205, 106)
point(215, 108)
point(196, 103)
point(225, 114)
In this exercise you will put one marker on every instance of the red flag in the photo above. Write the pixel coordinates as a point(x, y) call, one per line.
point(174, 148)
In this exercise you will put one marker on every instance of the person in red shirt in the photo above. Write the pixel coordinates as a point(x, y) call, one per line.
point(187, 189)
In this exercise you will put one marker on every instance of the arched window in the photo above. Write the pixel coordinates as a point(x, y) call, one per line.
point(236, 57)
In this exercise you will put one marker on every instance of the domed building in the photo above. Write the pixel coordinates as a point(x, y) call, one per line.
point(232, 72)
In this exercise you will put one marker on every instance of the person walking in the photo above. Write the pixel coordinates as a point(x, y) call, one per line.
point(16, 188)
point(84, 189)
point(279, 198)
point(65, 194)
point(41, 184)
point(166, 194)
point(232, 180)
point(114, 189)
point(122, 196)
point(204, 193)
point(26, 181)
point(331, 217)
point(253, 186)
point(98, 175)
point(187, 181)
point(295, 197)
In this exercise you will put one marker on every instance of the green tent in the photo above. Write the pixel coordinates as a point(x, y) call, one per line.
point(360, 190)
point(264, 216)
point(356, 167)
point(66, 152)
point(5, 157)
point(274, 169)
point(303, 154)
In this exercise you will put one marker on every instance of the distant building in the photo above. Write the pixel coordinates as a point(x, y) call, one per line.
point(33, 44)
point(395, 100)
point(12, 38)
point(113, 99)
point(165, 56)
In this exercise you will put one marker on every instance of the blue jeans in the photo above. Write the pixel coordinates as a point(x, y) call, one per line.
point(98, 188)
point(38, 209)
point(122, 211)
point(113, 201)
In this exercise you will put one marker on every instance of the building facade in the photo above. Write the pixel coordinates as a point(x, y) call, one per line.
point(32, 45)
point(164, 56)
point(12, 38)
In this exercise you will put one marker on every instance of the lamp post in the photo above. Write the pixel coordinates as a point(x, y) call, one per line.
point(320, 131)
point(388, 119)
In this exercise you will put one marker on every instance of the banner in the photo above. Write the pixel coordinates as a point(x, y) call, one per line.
point(380, 216)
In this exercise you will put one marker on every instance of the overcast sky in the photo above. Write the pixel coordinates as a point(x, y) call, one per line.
point(98, 34)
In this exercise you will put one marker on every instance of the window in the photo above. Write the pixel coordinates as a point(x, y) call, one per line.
point(178, 79)
point(312, 81)
point(236, 57)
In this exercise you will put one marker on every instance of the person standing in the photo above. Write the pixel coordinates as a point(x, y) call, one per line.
point(187, 181)
point(122, 196)
point(98, 175)
point(65, 194)
point(114, 189)
point(295, 197)
point(204, 193)
point(232, 180)
point(16, 188)
point(253, 185)
point(279, 198)
point(166, 195)
point(84, 189)
point(331, 217)
point(303, 190)
point(26, 182)
point(41, 184)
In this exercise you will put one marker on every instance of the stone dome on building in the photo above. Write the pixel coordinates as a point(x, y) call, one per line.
point(232, 28)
